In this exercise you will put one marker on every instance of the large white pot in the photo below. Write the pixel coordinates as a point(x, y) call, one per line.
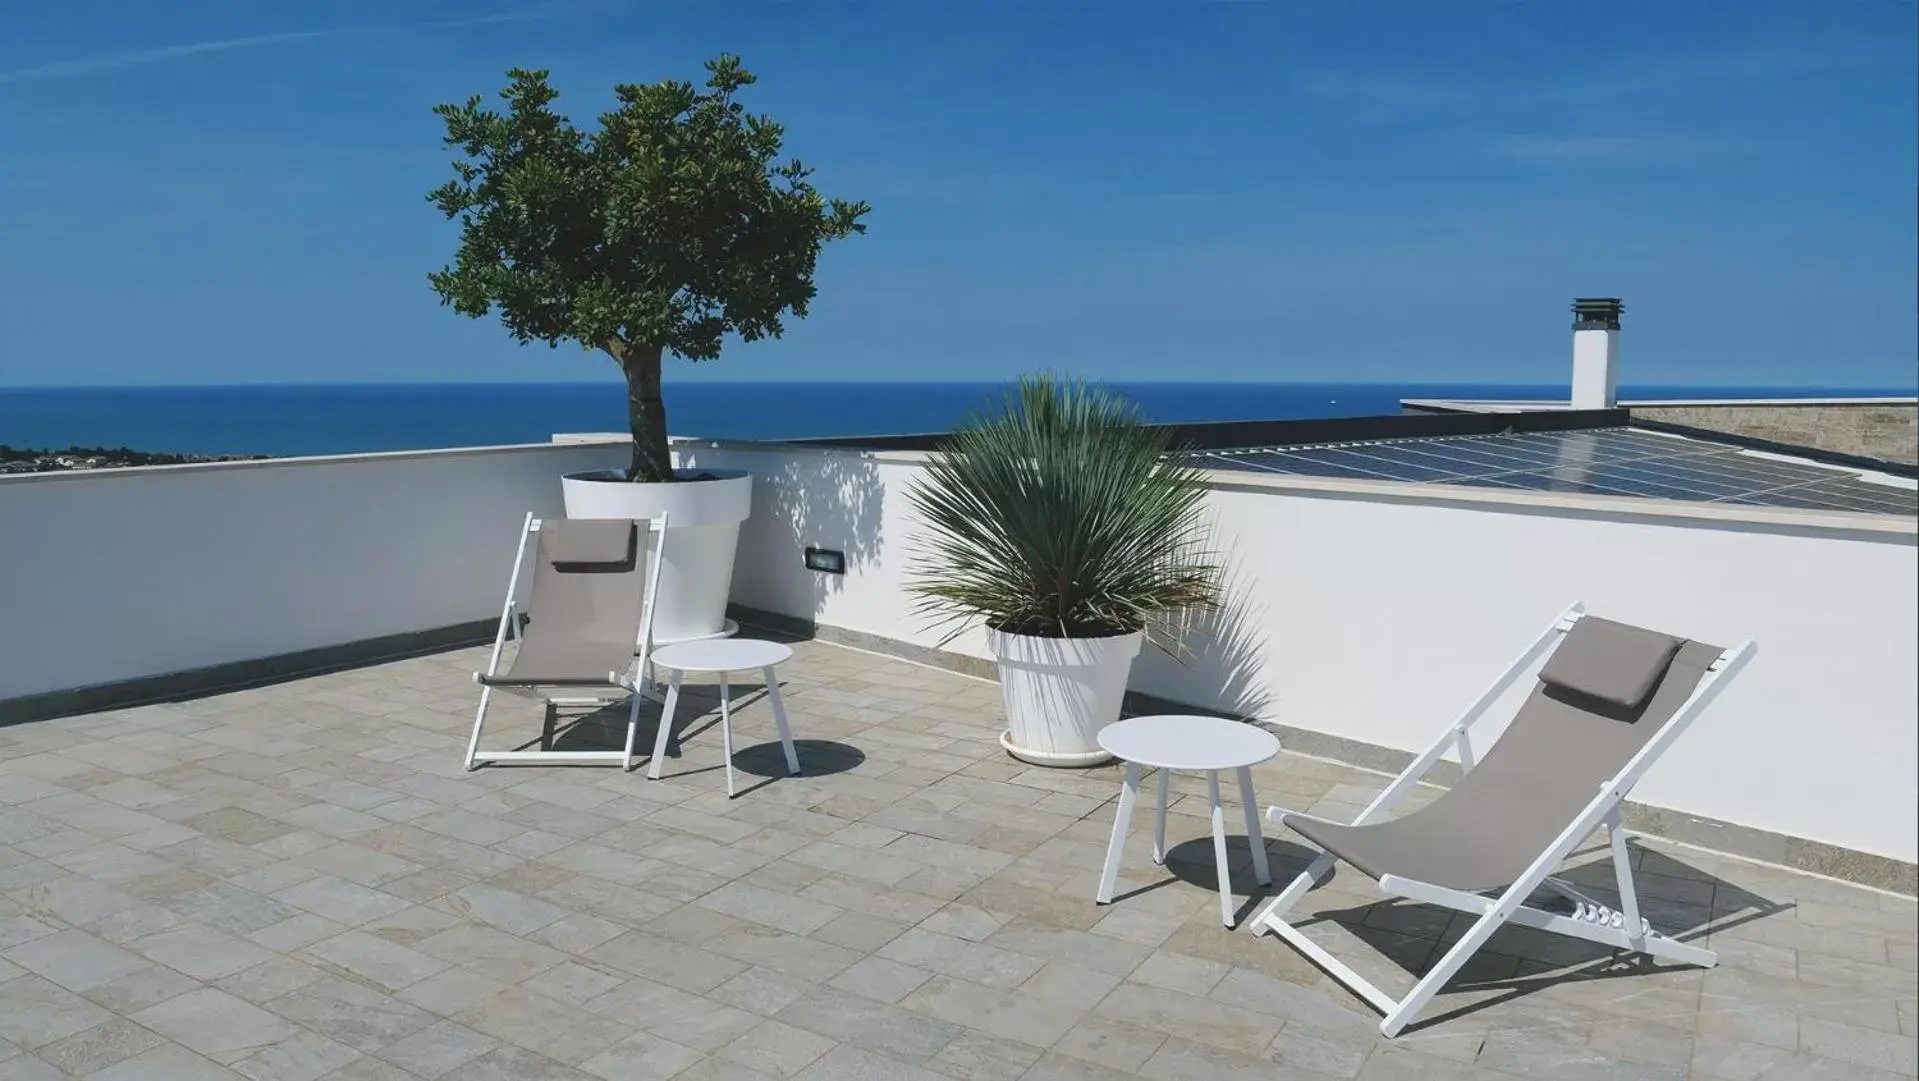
point(702, 530)
point(1060, 692)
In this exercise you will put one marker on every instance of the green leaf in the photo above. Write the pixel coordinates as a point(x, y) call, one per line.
point(1061, 515)
point(670, 226)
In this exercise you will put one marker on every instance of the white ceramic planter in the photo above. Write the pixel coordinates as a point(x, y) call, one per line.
point(703, 529)
point(1060, 692)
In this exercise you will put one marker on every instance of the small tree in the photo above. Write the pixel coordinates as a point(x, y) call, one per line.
point(666, 229)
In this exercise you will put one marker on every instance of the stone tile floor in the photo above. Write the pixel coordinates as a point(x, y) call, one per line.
point(299, 882)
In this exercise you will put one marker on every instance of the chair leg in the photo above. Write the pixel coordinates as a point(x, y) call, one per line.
point(1274, 914)
point(1622, 873)
point(1261, 871)
point(632, 729)
point(1128, 792)
point(779, 718)
point(1219, 850)
point(666, 725)
point(1455, 958)
point(1159, 823)
point(479, 720)
point(726, 731)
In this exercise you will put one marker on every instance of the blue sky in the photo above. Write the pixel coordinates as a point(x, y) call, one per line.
point(198, 192)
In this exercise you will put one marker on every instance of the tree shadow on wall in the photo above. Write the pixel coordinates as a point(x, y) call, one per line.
point(807, 497)
point(1221, 653)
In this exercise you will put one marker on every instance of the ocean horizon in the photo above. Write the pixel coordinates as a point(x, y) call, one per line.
point(310, 419)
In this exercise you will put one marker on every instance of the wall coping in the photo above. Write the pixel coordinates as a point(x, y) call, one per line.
point(1890, 528)
point(1504, 404)
point(360, 458)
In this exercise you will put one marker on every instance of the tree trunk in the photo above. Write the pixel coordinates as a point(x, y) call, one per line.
point(645, 411)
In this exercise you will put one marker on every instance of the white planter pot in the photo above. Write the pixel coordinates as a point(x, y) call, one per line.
point(1060, 692)
point(702, 531)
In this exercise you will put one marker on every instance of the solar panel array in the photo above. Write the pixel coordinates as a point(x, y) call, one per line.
point(1605, 461)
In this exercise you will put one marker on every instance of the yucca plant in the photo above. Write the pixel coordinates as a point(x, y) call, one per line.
point(1060, 515)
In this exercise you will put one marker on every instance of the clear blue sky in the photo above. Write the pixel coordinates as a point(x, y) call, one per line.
point(202, 191)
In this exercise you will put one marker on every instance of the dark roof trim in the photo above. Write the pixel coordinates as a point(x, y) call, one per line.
point(1811, 454)
point(1244, 434)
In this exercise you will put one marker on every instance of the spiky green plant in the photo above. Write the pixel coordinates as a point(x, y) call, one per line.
point(1060, 516)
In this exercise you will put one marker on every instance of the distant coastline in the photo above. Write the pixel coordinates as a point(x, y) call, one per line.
point(27, 460)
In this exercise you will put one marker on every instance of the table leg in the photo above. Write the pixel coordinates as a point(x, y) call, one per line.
point(779, 718)
point(1159, 824)
point(1253, 839)
point(666, 724)
point(1219, 850)
point(1128, 792)
point(726, 731)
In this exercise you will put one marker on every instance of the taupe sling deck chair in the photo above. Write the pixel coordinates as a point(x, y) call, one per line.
point(1610, 700)
point(588, 628)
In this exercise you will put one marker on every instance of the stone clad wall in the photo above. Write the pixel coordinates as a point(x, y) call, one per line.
point(1888, 431)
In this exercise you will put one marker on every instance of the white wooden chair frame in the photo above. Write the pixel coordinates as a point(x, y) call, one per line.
point(636, 681)
point(1591, 920)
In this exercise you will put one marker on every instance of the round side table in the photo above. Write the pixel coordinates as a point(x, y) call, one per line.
point(1170, 742)
point(722, 656)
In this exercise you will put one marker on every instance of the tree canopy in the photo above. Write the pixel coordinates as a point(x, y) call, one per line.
point(673, 224)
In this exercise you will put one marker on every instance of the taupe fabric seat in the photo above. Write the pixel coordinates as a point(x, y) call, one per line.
point(1611, 698)
point(583, 615)
point(1482, 833)
point(587, 628)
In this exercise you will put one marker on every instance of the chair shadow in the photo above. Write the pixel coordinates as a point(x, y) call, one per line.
point(604, 729)
point(1520, 961)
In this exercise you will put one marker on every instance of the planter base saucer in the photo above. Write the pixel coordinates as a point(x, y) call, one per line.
point(1052, 758)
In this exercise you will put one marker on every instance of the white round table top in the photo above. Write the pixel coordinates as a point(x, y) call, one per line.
point(721, 655)
point(1172, 741)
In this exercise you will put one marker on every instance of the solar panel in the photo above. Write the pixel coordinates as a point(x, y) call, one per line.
point(1603, 461)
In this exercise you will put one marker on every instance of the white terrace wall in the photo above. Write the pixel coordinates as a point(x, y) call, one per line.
point(122, 574)
point(1370, 612)
point(1374, 612)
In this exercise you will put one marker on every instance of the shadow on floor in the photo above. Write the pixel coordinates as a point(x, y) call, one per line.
point(1191, 860)
point(1680, 900)
point(604, 729)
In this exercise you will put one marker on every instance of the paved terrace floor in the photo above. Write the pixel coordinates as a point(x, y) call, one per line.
point(298, 882)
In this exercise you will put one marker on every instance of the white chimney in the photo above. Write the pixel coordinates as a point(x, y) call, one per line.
point(1596, 352)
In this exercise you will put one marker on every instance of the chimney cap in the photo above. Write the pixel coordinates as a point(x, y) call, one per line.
point(1597, 313)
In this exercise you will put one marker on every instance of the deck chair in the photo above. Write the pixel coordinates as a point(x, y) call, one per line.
point(1610, 700)
point(587, 629)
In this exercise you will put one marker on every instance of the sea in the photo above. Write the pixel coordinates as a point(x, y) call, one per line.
point(290, 420)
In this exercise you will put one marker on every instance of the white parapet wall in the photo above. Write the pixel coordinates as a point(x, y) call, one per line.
point(1367, 612)
point(123, 574)
point(1373, 612)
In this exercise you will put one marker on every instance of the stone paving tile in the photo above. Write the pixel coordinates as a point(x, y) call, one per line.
point(75, 960)
point(34, 1012)
point(553, 1028)
point(215, 1024)
point(350, 1013)
point(644, 1058)
point(168, 1062)
point(869, 1024)
point(436, 1049)
point(201, 952)
point(881, 980)
point(1029, 1018)
point(101, 1046)
point(303, 1057)
point(199, 890)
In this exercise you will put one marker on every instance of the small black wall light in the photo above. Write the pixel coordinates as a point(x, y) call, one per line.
point(827, 560)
